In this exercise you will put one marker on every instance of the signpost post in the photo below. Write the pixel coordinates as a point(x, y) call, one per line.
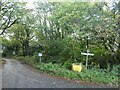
point(87, 54)
point(40, 55)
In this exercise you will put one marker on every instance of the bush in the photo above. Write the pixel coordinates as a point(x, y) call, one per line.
point(67, 64)
point(35, 57)
point(28, 60)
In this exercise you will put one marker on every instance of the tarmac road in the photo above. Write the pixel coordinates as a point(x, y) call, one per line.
point(17, 75)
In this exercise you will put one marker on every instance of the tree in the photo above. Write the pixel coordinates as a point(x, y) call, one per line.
point(22, 32)
point(10, 13)
point(62, 29)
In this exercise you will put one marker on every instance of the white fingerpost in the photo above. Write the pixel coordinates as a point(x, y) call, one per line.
point(87, 54)
point(40, 55)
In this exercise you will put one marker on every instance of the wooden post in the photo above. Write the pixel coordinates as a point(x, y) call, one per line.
point(86, 61)
point(40, 59)
point(87, 54)
point(40, 55)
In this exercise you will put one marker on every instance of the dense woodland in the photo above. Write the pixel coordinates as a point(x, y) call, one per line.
point(62, 31)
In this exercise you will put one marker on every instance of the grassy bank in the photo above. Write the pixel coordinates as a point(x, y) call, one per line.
point(106, 76)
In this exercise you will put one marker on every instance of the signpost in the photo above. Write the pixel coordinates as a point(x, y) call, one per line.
point(40, 55)
point(87, 54)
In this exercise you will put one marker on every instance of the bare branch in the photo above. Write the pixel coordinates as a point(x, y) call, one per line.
point(3, 29)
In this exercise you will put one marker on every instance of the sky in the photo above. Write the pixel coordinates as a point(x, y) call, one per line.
point(31, 5)
point(30, 2)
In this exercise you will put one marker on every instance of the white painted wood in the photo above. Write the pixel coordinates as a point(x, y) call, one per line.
point(40, 54)
point(87, 54)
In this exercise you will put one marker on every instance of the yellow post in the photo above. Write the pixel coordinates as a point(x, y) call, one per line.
point(77, 67)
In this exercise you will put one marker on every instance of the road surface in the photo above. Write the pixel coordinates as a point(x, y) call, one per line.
point(17, 75)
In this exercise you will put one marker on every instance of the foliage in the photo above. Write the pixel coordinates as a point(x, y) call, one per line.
point(61, 33)
point(94, 75)
point(28, 60)
point(10, 13)
point(68, 27)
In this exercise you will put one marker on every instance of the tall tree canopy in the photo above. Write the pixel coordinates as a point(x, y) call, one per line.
point(10, 13)
point(61, 31)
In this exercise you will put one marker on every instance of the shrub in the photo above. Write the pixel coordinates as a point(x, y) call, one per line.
point(35, 57)
point(67, 64)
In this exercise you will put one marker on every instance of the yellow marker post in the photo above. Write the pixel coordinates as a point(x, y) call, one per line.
point(77, 67)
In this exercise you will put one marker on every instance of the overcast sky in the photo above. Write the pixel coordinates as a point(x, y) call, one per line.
point(30, 2)
point(31, 5)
